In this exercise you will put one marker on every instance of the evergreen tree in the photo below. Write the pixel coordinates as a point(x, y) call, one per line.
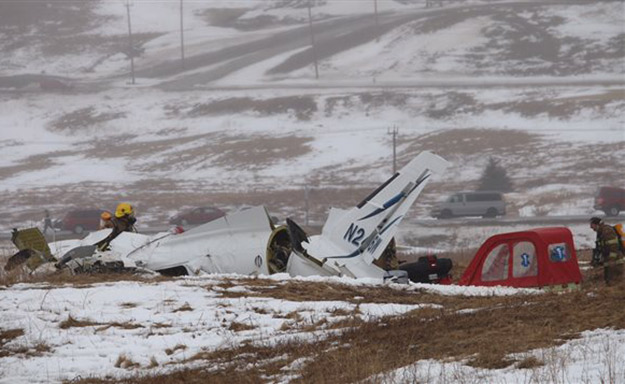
point(495, 178)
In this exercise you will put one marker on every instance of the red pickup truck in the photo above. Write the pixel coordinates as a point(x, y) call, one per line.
point(610, 200)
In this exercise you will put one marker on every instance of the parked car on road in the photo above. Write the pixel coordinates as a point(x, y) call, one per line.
point(80, 220)
point(485, 204)
point(610, 200)
point(195, 216)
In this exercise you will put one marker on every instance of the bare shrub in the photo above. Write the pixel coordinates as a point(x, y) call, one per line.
point(238, 327)
point(153, 363)
point(71, 322)
point(10, 334)
point(126, 325)
point(126, 363)
point(303, 107)
point(184, 308)
point(612, 362)
point(82, 119)
point(178, 347)
point(530, 362)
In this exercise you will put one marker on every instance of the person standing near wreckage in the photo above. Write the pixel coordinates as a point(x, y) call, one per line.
point(47, 222)
point(608, 250)
point(124, 221)
point(106, 220)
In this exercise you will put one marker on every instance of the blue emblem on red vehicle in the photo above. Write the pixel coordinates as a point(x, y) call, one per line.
point(558, 254)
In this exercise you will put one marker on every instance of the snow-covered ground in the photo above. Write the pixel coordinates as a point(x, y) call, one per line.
point(161, 325)
point(539, 87)
point(592, 358)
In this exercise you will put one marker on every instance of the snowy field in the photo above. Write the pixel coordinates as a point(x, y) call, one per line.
point(245, 121)
point(72, 332)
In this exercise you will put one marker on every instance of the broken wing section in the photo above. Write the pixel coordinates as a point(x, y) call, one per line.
point(352, 239)
point(235, 243)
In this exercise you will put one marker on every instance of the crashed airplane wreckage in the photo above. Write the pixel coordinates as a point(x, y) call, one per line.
point(249, 243)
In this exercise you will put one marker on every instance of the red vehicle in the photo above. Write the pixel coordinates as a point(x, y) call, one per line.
point(195, 216)
point(80, 220)
point(610, 200)
point(540, 257)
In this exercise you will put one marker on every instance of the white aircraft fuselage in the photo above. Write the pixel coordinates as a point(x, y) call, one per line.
point(248, 243)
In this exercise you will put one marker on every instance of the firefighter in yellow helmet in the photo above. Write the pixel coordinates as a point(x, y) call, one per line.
point(124, 221)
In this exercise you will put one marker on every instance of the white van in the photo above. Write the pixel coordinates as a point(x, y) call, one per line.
point(485, 204)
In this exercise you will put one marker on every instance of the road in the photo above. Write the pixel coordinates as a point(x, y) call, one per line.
point(332, 36)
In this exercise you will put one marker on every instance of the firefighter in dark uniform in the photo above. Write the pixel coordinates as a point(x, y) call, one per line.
point(607, 251)
point(124, 221)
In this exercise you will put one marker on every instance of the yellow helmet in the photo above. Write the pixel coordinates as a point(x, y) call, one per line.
point(106, 215)
point(124, 209)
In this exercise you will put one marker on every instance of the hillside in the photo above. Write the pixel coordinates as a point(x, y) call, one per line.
point(246, 122)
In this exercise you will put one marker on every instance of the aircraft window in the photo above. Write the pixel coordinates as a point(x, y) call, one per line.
point(524, 259)
point(496, 264)
point(559, 253)
point(475, 197)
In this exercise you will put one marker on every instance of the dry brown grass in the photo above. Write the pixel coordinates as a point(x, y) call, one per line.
point(454, 142)
point(235, 326)
point(517, 325)
point(60, 278)
point(125, 362)
point(115, 324)
point(178, 347)
point(186, 307)
point(485, 331)
point(7, 335)
point(524, 153)
point(82, 119)
point(71, 322)
point(530, 362)
point(301, 106)
point(563, 107)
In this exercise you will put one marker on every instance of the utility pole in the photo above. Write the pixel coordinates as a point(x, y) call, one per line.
point(181, 38)
point(312, 40)
point(394, 132)
point(131, 50)
point(307, 206)
point(377, 23)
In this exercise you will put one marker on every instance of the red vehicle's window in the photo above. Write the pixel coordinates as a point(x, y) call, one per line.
point(524, 259)
point(496, 264)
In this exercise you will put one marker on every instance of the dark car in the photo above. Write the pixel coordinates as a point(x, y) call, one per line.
point(610, 200)
point(80, 220)
point(199, 215)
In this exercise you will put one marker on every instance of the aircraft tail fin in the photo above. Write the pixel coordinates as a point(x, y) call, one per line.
point(366, 229)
